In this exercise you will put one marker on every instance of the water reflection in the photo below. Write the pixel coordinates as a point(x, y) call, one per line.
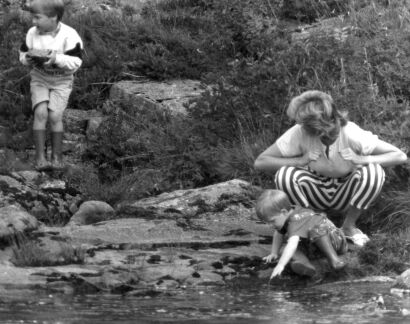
point(249, 303)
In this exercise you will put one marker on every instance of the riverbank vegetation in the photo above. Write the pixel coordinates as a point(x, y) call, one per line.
point(255, 56)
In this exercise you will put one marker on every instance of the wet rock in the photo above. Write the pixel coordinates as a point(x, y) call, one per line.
point(91, 212)
point(166, 284)
point(170, 271)
point(205, 278)
point(402, 281)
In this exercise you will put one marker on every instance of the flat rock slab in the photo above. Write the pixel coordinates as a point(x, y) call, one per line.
point(29, 277)
point(144, 233)
point(171, 95)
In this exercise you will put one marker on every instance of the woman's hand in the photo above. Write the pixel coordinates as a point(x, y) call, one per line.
point(349, 155)
point(270, 257)
point(277, 271)
point(310, 156)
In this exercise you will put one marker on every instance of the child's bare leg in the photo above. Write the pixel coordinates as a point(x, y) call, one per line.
point(301, 265)
point(324, 244)
point(39, 133)
point(56, 125)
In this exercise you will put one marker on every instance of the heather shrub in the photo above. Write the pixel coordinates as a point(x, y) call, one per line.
point(143, 142)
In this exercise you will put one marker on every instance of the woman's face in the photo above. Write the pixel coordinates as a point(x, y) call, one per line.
point(330, 137)
point(327, 135)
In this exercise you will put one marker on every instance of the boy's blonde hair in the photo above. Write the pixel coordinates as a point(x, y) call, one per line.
point(50, 8)
point(271, 201)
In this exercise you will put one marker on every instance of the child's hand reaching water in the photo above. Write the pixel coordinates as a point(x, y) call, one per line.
point(269, 258)
point(277, 271)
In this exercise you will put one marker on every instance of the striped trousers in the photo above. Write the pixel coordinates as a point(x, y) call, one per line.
point(309, 189)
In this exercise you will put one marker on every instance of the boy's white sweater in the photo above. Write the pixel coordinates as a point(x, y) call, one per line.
point(65, 41)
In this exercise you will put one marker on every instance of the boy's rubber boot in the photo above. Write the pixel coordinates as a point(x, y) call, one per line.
point(39, 136)
point(303, 268)
point(324, 244)
point(301, 265)
point(56, 150)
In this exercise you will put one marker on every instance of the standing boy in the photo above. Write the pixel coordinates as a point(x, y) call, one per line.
point(53, 50)
point(299, 224)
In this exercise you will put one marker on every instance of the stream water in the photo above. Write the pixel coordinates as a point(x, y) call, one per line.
point(241, 303)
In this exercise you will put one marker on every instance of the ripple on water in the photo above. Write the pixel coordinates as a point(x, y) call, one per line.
point(257, 303)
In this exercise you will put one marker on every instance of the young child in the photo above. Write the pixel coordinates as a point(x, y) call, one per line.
point(298, 224)
point(53, 50)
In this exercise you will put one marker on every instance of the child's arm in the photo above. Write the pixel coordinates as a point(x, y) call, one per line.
point(276, 243)
point(71, 59)
point(24, 48)
point(287, 254)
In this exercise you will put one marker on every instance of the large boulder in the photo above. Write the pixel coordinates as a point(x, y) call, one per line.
point(192, 202)
point(91, 212)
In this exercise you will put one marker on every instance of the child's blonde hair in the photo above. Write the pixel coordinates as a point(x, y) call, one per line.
point(270, 201)
point(50, 8)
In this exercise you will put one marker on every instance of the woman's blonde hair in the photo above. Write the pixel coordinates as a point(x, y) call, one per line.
point(271, 201)
point(316, 112)
point(51, 8)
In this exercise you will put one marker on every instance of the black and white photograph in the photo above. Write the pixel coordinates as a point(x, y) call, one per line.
point(204, 161)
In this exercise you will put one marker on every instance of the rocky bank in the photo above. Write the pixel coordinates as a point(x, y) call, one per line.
point(202, 236)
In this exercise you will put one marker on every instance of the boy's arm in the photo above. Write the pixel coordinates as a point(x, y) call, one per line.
point(71, 59)
point(23, 51)
point(276, 244)
point(287, 254)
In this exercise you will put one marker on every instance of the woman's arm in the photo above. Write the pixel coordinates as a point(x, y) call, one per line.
point(287, 254)
point(384, 154)
point(272, 159)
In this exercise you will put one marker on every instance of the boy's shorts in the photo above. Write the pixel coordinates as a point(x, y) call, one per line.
point(336, 235)
point(55, 90)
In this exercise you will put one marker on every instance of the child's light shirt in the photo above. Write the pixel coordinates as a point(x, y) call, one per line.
point(309, 226)
point(301, 222)
point(296, 142)
point(63, 40)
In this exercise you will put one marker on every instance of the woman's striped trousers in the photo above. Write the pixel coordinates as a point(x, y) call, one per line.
point(309, 189)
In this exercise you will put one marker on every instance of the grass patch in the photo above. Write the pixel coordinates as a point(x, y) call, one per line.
point(384, 255)
point(31, 253)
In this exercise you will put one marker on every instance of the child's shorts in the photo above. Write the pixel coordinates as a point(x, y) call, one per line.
point(336, 235)
point(54, 89)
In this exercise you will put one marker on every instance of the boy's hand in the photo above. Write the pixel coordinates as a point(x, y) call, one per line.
point(51, 58)
point(270, 257)
point(30, 59)
point(277, 271)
